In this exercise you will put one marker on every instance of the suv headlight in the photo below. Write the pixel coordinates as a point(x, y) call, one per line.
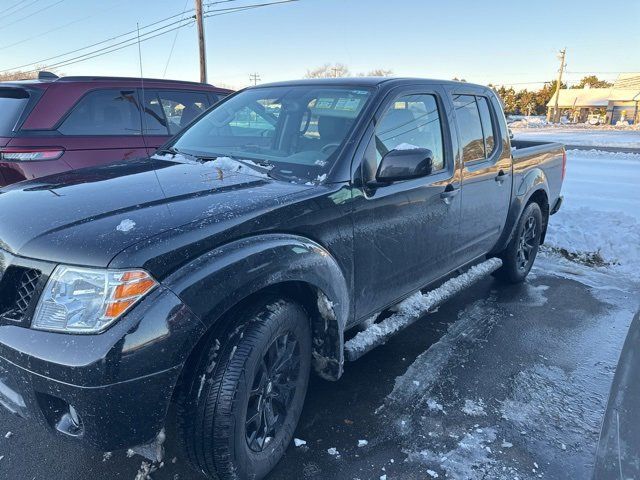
point(85, 300)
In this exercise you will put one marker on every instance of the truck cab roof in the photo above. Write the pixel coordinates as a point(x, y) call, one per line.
point(368, 82)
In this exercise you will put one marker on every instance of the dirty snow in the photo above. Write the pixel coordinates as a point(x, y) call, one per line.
point(473, 408)
point(467, 460)
point(299, 443)
point(126, 225)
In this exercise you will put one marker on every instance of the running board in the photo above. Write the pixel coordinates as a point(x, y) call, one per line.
point(413, 308)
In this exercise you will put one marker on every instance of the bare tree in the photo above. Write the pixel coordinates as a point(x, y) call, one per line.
point(379, 72)
point(21, 74)
point(329, 71)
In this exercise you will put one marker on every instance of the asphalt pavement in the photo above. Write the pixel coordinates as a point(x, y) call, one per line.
point(499, 382)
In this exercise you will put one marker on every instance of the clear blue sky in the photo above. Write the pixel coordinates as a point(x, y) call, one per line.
point(482, 41)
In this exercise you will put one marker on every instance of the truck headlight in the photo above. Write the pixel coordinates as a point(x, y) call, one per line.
point(85, 300)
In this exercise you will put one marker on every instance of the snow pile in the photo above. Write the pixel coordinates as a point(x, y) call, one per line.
point(527, 121)
point(411, 309)
point(226, 163)
point(589, 137)
point(406, 146)
point(599, 222)
point(597, 238)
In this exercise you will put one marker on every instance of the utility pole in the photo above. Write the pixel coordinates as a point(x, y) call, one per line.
point(255, 78)
point(335, 72)
point(201, 45)
point(556, 112)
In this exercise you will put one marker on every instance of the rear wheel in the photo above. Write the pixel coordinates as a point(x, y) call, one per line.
point(244, 399)
point(518, 257)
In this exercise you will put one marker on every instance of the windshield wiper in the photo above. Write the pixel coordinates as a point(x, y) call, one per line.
point(169, 150)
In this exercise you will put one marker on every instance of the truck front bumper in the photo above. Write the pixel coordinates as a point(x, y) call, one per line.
point(107, 418)
point(108, 391)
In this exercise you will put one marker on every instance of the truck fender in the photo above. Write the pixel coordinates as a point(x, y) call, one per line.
point(533, 183)
point(533, 180)
point(214, 283)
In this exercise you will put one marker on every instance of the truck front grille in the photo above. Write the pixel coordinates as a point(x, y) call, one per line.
point(17, 290)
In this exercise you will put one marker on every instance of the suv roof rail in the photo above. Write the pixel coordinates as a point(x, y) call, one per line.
point(44, 75)
point(81, 78)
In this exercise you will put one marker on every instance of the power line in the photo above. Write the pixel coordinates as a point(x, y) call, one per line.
point(16, 5)
point(132, 41)
point(219, 2)
point(46, 32)
point(5, 25)
point(114, 48)
point(175, 38)
point(40, 62)
point(249, 7)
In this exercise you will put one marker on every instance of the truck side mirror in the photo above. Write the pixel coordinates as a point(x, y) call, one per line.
point(399, 165)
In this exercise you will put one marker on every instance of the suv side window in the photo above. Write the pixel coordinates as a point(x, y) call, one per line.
point(412, 121)
point(487, 126)
point(166, 112)
point(470, 125)
point(182, 107)
point(104, 112)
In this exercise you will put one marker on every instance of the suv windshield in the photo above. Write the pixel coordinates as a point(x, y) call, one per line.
point(296, 131)
point(12, 103)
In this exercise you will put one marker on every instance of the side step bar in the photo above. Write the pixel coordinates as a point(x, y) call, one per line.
point(414, 307)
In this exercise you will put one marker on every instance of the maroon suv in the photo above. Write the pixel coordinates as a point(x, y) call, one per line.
point(55, 124)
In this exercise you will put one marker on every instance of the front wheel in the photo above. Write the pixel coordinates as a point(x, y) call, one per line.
point(518, 257)
point(246, 394)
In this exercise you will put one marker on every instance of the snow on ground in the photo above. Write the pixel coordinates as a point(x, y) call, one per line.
point(599, 221)
point(582, 136)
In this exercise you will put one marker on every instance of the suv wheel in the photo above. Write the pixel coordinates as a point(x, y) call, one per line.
point(521, 252)
point(244, 398)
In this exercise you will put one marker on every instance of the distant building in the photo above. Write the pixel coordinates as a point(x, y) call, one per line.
point(608, 105)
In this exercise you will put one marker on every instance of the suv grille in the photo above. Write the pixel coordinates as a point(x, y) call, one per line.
point(17, 290)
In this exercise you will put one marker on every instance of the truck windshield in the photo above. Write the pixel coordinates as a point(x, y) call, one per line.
point(12, 103)
point(296, 131)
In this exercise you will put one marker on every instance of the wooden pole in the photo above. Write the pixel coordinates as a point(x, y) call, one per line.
point(556, 112)
point(201, 44)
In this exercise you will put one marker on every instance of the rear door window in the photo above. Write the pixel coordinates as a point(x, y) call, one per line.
point(487, 126)
point(12, 103)
point(180, 108)
point(104, 112)
point(470, 127)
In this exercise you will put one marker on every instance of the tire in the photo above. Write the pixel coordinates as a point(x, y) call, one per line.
point(518, 257)
point(260, 371)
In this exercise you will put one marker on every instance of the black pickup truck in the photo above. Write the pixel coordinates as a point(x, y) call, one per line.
point(217, 273)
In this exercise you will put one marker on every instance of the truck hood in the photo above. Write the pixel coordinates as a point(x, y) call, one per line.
point(86, 217)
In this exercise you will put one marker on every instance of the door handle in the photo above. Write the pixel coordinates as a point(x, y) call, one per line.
point(500, 177)
point(449, 192)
